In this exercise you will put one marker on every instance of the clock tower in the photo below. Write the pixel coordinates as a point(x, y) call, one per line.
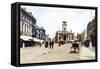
point(64, 26)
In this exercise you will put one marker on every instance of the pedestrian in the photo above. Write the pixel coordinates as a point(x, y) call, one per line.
point(52, 43)
point(59, 43)
point(40, 44)
point(87, 43)
point(46, 44)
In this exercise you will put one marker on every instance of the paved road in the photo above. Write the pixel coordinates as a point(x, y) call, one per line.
point(41, 54)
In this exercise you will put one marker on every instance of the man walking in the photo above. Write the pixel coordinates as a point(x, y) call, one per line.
point(52, 44)
point(46, 44)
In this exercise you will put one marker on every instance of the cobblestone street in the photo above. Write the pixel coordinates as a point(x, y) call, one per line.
point(39, 54)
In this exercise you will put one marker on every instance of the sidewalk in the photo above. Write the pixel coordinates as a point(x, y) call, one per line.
point(86, 53)
point(36, 49)
point(30, 54)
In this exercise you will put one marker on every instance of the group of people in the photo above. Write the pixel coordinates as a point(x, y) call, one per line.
point(49, 43)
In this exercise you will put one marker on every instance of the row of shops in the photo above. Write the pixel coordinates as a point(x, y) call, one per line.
point(27, 41)
point(88, 36)
point(30, 33)
point(91, 32)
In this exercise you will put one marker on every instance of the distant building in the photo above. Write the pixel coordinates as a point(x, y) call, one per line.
point(64, 35)
point(40, 33)
point(82, 37)
point(91, 32)
point(27, 22)
point(79, 37)
point(46, 37)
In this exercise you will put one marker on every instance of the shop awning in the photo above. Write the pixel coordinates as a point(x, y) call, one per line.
point(26, 38)
point(37, 40)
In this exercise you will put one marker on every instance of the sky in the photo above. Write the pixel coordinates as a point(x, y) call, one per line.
point(51, 18)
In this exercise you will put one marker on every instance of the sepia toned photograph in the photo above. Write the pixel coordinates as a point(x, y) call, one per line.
point(57, 34)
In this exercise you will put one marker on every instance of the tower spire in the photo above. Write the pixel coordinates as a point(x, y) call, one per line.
point(64, 26)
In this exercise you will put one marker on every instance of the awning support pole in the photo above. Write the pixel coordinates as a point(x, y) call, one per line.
point(23, 45)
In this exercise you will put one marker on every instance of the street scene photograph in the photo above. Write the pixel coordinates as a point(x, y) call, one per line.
point(56, 34)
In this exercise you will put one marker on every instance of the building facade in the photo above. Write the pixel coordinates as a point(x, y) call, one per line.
point(27, 22)
point(91, 32)
point(82, 37)
point(40, 33)
point(64, 34)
